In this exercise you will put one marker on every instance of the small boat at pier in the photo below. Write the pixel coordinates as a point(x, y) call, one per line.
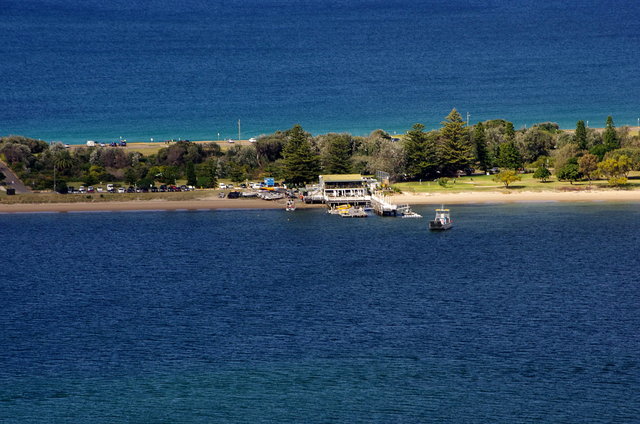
point(406, 212)
point(442, 221)
point(410, 214)
point(337, 210)
point(353, 212)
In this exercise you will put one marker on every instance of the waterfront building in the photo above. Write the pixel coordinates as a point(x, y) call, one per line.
point(342, 189)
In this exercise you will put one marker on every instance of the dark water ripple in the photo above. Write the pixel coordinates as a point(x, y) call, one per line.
point(522, 313)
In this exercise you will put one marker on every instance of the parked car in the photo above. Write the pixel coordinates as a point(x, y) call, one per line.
point(222, 186)
point(233, 195)
point(252, 140)
point(121, 190)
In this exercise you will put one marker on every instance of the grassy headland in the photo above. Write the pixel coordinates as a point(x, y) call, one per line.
point(486, 183)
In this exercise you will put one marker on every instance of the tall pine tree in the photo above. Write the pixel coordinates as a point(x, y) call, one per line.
point(301, 163)
point(509, 131)
point(191, 174)
point(480, 141)
point(420, 153)
point(609, 137)
point(338, 156)
point(455, 152)
point(581, 135)
point(209, 174)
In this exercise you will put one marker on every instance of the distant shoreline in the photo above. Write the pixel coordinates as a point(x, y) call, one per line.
point(142, 144)
point(507, 196)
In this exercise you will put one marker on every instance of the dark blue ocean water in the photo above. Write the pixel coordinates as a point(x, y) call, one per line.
point(520, 314)
point(140, 69)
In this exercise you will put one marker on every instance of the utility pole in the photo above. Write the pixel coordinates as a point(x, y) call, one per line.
point(468, 115)
point(239, 130)
point(54, 178)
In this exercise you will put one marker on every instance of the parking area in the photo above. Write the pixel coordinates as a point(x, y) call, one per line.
point(112, 188)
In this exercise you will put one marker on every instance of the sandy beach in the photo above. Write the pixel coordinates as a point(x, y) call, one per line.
point(211, 203)
point(150, 205)
point(511, 196)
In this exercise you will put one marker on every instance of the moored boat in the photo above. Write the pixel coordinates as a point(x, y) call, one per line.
point(442, 220)
point(411, 214)
point(406, 212)
point(353, 212)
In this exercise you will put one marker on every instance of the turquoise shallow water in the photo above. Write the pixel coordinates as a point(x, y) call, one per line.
point(522, 313)
point(73, 71)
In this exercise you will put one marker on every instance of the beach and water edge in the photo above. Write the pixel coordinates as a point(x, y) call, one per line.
point(213, 202)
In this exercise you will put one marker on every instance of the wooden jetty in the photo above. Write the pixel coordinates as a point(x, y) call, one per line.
point(382, 206)
point(355, 190)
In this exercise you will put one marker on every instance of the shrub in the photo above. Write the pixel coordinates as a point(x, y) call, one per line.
point(61, 187)
point(615, 170)
point(507, 177)
point(442, 182)
point(570, 172)
point(617, 181)
point(542, 173)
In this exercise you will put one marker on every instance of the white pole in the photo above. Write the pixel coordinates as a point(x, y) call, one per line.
point(239, 130)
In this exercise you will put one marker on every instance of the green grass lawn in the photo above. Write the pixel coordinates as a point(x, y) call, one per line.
point(528, 183)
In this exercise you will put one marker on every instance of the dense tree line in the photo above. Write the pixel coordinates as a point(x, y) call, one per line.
point(297, 157)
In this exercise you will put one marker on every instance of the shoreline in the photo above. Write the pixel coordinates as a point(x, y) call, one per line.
point(510, 196)
point(411, 199)
point(138, 142)
point(149, 205)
